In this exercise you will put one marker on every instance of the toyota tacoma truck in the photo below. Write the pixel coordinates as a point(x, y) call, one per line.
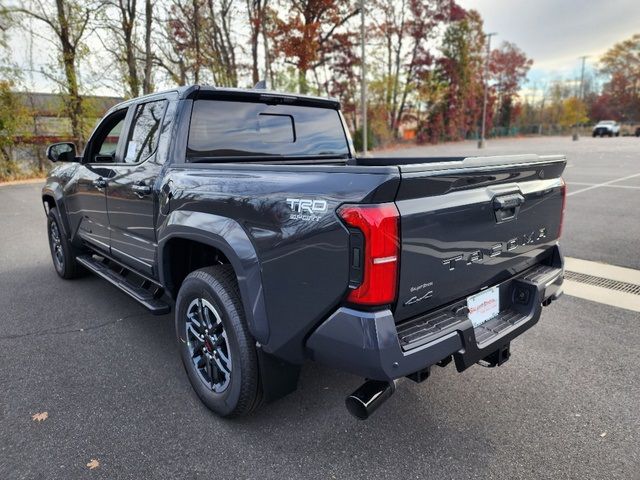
point(248, 214)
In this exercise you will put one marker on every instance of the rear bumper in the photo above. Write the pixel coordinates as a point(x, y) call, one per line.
point(371, 345)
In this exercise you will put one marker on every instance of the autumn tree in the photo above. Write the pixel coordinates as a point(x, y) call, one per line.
point(199, 43)
point(574, 112)
point(343, 82)
point(68, 21)
point(14, 120)
point(302, 36)
point(129, 42)
point(458, 73)
point(179, 53)
point(601, 107)
point(5, 19)
point(221, 52)
point(621, 64)
point(508, 66)
point(258, 16)
point(404, 29)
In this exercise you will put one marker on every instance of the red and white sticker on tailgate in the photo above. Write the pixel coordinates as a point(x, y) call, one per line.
point(484, 306)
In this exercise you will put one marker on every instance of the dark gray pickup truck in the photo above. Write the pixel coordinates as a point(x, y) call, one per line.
point(247, 212)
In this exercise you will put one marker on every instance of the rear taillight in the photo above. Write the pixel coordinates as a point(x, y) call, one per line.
point(563, 191)
point(374, 252)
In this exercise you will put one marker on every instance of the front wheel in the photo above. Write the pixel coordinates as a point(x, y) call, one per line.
point(63, 252)
point(217, 350)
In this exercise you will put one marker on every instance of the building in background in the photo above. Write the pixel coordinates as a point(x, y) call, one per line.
point(47, 123)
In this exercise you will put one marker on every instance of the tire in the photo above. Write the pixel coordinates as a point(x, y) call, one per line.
point(63, 253)
point(594, 134)
point(229, 388)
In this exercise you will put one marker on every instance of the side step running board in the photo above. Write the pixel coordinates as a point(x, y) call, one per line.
point(148, 299)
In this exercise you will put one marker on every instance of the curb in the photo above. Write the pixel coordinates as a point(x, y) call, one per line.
point(23, 182)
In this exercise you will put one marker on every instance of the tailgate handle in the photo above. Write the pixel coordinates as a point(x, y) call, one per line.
point(506, 207)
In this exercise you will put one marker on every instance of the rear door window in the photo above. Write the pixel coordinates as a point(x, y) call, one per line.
point(221, 129)
point(145, 131)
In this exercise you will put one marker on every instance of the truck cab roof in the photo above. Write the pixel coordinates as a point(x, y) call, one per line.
point(195, 91)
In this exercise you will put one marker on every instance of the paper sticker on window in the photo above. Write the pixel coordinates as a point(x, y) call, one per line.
point(132, 151)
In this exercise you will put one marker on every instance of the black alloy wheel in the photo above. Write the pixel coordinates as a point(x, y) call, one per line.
point(217, 349)
point(208, 345)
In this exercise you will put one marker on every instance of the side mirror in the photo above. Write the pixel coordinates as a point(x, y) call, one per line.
point(62, 152)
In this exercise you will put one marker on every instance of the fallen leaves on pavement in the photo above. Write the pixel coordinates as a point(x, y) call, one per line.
point(40, 417)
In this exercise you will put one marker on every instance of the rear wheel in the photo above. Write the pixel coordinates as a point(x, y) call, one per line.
point(63, 253)
point(217, 350)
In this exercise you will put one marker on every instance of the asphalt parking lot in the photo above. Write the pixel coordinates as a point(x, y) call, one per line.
point(108, 374)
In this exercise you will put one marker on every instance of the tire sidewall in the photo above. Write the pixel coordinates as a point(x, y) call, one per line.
point(223, 403)
point(52, 217)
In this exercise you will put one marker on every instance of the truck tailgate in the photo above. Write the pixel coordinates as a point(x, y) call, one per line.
point(467, 225)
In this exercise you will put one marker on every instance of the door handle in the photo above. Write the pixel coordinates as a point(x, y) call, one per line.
point(141, 189)
point(506, 207)
point(99, 183)
point(508, 201)
point(165, 198)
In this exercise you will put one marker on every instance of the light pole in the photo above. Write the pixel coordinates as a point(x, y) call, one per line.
point(481, 142)
point(363, 87)
point(584, 59)
point(575, 135)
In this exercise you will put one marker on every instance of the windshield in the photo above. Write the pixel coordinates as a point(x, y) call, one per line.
point(246, 129)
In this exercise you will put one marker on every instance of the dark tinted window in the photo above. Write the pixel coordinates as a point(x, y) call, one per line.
point(110, 142)
point(145, 130)
point(103, 146)
point(224, 129)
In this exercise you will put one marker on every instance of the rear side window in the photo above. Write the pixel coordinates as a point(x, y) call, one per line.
point(242, 129)
point(145, 131)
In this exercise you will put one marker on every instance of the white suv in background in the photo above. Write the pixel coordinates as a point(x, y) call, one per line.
point(606, 127)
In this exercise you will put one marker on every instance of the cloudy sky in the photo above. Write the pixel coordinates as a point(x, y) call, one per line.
point(555, 33)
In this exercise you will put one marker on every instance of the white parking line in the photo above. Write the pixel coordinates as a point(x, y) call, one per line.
point(603, 184)
point(595, 293)
point(631, 187)
point(624, 300)
point(604, 270)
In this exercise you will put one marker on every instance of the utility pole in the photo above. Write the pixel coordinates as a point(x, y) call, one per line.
point(363, 87)
point(576, 135)
point(583, 58)
point(481, 142)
